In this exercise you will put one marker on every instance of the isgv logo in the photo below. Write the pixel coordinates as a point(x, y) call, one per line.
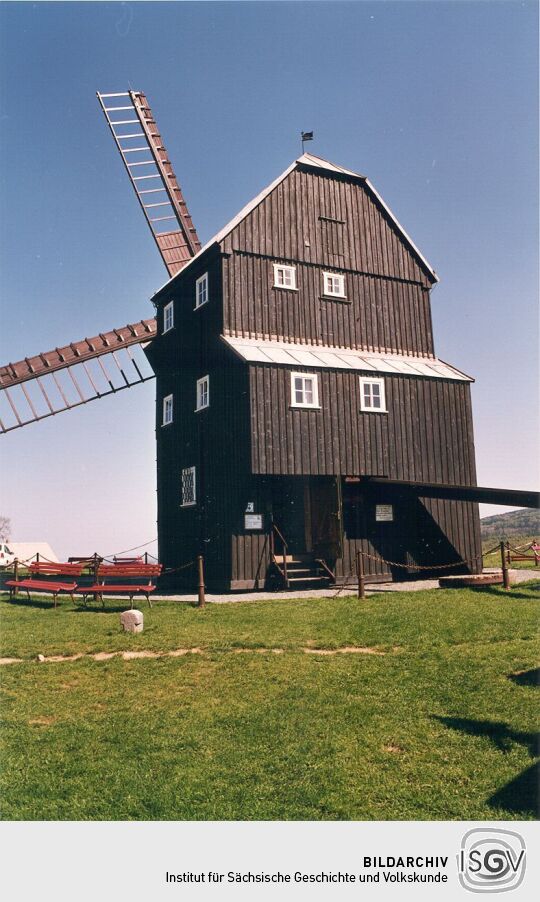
point(491, 861)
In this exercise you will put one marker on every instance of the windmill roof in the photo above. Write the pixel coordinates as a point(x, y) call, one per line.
point(306, 159)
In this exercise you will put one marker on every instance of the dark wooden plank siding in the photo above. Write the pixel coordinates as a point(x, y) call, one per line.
point(287, 224)
point(425, 436)
point(378, 314)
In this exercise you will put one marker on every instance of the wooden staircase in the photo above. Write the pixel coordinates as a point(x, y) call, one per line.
point(303, 571)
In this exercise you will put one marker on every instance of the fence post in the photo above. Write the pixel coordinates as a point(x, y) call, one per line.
point(145, 557)
point(37, 557)
point(15, 575)
point(504, 563)
point(200, 568)
point(360, 572)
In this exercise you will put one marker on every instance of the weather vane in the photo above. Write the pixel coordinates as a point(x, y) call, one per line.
point(306, 136)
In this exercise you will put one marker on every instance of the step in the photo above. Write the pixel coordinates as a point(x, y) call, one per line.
point(308, 579)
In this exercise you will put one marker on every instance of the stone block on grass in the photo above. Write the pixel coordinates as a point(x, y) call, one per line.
point(132, 621)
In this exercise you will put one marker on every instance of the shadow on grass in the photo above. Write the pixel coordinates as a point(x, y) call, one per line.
point(500, 734)
point(20, 602)
point(520, 795)
point(526, 678)
point(503, 593)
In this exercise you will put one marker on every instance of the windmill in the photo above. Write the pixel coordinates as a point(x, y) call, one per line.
point(66, 377)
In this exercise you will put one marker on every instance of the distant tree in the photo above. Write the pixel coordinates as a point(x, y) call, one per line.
point(5, 529)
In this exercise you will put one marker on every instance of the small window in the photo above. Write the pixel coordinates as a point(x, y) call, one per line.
point(168, 316)
point(189, 490)
point(167, 410)
point(203, 393)
point(372, 395)
point(284, 276)
point(304, 390)
point(201, 291)
point(334, 285)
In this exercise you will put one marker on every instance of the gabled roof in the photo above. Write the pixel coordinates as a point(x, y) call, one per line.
point(288, 353)
point(307, 159)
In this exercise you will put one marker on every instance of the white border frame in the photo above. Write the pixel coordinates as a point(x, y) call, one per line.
point(292, 269)
point(199, 383)
point(315, 405)
point(165, 401)
point(371, 380)
point(333, 294)
point(200, 280)
point(168, 307)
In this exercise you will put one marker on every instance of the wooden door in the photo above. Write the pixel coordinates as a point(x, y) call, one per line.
point(325, 515)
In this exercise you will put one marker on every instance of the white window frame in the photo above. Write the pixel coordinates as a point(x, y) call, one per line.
point(193, 472)
point(201, 286)
point(282, 268)
point(369, 380)
point(314, 404)
point(168, 408)
point(168, 317)
point(328, 285)
point(203, 393)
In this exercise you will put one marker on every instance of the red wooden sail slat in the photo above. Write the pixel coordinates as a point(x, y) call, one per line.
point(76, 352)
point(178, 245)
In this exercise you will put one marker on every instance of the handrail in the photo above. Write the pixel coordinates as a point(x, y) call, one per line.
point(325, 566)
point(277, 530)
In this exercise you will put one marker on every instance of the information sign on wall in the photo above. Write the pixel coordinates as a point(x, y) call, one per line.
point(253, 521)
point(384, 513)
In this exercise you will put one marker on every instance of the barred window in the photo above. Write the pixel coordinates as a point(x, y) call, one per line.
point(189, 492)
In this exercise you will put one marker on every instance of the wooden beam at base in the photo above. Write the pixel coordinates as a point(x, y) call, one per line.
point(481, 494)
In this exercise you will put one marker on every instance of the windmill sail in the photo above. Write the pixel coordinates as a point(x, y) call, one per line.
point(49, 383)
point(140, 145)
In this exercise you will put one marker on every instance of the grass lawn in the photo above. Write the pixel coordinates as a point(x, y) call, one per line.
point(440, 726)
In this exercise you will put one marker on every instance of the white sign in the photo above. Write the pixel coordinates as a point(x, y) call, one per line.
point(250, 507)
point(384, 513)
point(253, 521)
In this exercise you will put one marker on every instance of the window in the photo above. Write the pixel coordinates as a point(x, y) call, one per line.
point(167, 410)
point(372, 396)
point(201, 291)
point(168, 316)
point(334, 285)
point(284, 276)
point(304, 390)
point(189, 493)
point(203, 393)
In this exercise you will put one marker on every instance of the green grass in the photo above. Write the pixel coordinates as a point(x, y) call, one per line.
point(434, 729)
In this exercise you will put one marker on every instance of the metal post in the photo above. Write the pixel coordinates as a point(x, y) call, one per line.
point(504, 563)
point(200, 568)
point(360, 572)
point(37, 557)
point(15, 576)
point(145, 557)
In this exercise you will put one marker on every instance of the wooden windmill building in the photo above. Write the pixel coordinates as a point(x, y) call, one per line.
point(301, 411)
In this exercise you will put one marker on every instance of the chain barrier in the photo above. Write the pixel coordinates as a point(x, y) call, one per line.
point(177, 569)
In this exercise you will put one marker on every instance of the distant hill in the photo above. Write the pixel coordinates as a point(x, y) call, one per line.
point(524, 522)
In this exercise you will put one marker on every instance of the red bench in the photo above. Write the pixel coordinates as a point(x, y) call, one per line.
point(123, 571)
point(43, 568)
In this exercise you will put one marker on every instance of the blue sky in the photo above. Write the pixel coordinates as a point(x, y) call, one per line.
point(435, 102)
